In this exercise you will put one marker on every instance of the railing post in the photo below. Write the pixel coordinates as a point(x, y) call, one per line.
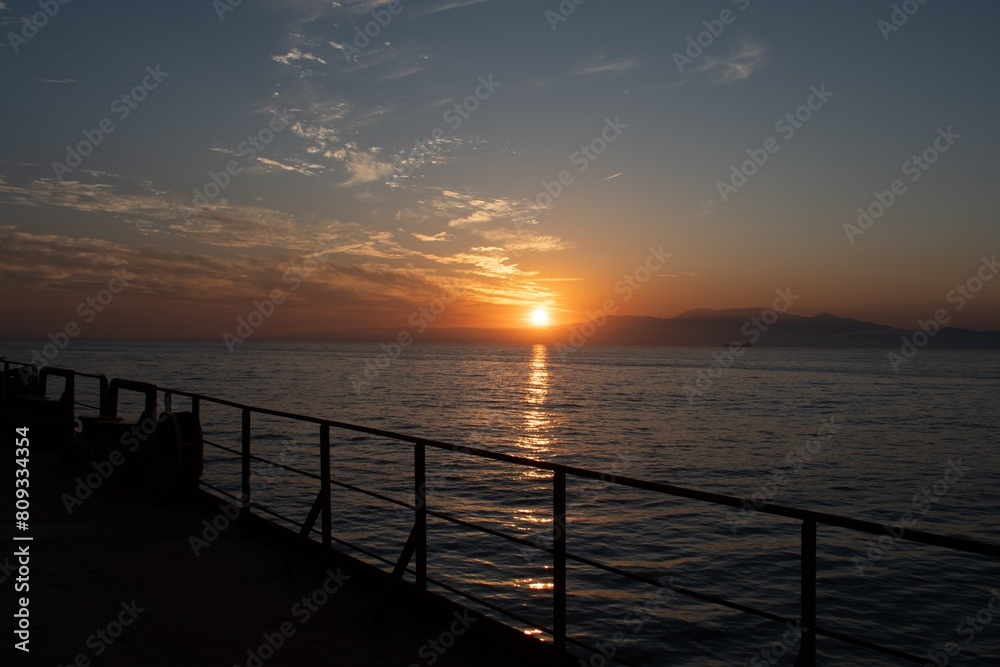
point(245, 495)
point(168, 402)
point(420, 513)
point(807, 650)
point(196, 408)
point(559, 562)
point(324, 473)
point(103, 400)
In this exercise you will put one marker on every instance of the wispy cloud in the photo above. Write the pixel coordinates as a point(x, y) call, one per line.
point(469, 209)
point(525, 241)
point(439, 237)
point(445, 5)
point(604, 66)
point(294, 55)
point(55, 80)
point(737, 65)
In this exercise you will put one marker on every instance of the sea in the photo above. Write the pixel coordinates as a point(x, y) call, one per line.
point(839, 431)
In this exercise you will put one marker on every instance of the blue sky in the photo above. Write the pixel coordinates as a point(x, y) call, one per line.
point(386, 227)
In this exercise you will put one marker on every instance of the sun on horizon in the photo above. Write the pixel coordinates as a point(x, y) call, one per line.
point(540, 317)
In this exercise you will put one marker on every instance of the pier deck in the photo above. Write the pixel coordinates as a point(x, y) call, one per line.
point(212, 608)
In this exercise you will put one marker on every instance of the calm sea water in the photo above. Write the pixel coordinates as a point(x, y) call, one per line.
point(922, 442)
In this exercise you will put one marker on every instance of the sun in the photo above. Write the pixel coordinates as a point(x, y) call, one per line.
point(540, 317)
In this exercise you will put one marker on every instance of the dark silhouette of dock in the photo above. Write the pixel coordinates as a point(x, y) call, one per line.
point(118, 551)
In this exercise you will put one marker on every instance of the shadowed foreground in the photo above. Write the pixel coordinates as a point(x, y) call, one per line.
point(87, 569)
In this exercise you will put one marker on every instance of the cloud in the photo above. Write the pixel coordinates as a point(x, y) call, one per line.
point(89, 198)
point(467, 209)
point(156, 213)
point(295, 54)
point(55, 80)
point(738, 65)
point(263, 165)
point(364, 166)
point(447, 5)
point(604, 66)
point(441, 236)
point(514, 241)
point(613, 176)
point(489, 261)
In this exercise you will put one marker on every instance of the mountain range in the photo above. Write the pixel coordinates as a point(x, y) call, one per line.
point(712, 328)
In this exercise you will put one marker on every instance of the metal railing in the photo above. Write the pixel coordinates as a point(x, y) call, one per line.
point(415, 547)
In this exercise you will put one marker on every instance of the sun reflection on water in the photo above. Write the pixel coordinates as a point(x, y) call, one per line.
point(536, 421)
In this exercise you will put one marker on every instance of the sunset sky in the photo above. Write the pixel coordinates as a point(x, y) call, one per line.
point(366, 193)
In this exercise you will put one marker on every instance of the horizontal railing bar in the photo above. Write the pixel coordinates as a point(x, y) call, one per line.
point(373, 494)
point(306, 473)
point(896, 653)
point(223, 447)
point(268, 510)
point(706, 597)
point(86, 405)
point(484, 529)
point(490, 605)
point(218, 490)
point(860, 525)
point(513, 615)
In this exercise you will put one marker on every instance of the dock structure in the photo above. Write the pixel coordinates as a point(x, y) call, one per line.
point(124, 579)
point(117, 583)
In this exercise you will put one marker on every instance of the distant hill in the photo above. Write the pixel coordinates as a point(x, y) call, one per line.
point(704, 327)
